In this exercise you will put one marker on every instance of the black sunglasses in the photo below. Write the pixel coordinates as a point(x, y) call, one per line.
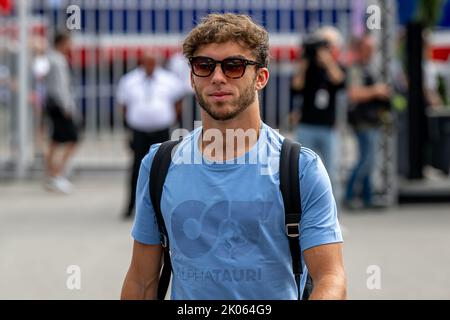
point(233, 68)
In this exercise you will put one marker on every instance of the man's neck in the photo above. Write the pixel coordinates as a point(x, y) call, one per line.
point(147, 74)
point(60, 52)
point(225, 140)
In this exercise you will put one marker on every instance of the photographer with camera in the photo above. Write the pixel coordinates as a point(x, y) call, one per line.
point(317, 79)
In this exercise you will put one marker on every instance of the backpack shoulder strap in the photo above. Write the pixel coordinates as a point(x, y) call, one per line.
point(290, 190)
point(158, 172)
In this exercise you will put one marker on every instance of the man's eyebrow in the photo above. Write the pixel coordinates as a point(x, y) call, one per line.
point(238, 56)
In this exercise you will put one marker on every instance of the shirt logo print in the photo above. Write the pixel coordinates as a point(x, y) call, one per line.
point(230, 228)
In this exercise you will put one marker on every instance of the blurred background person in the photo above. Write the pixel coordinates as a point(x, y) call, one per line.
point(179, 66)
point(431, 77)
point(8, 96)
point(40, 68)
point(318, 78)
point(368, 101)
point(61, 110)
point(435, 78)
point(150, 97)
point(9, 99)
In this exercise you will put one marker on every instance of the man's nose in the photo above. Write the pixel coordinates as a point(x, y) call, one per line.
point(217, 75)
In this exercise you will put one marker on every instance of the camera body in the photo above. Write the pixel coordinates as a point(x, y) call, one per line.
point(311, 45)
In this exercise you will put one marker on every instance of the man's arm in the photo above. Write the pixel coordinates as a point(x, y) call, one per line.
point(141, 281)
point(298, 79)
point(334, 72)
point(361, 94)
point(325, 264)
point(433, 98)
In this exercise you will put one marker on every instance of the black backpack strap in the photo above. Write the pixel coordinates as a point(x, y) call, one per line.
point(290, 190)
point(160, 167)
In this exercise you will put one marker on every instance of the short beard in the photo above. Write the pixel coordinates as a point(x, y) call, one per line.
point(247, 97)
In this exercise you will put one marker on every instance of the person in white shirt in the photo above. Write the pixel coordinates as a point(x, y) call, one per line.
point(179, 66)
point(151, 97)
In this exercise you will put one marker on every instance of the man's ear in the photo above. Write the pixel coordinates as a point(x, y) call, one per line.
point(262, 78)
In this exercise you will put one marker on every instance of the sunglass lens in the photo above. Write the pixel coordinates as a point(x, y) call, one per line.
point(203, 67)
point(234, 68)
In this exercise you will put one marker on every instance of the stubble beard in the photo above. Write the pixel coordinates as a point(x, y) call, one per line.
point(245, 99)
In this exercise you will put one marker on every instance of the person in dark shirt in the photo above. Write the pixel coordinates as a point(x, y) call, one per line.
point(318, 79)
point(369, 105)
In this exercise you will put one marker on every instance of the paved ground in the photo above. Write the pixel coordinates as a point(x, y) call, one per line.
point(41, 234)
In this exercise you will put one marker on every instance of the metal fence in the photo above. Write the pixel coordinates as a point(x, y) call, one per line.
point(113, 33)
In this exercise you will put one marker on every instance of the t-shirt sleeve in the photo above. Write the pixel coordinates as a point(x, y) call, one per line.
point(178, 88)
point(343, 83)
point(145, 227)
point(121, 95)
point(319, 223)
point(354, 77)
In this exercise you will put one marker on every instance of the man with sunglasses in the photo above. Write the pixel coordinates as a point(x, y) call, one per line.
point(221, 201)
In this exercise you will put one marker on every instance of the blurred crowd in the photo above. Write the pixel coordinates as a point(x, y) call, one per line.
point(333, 84)
point(337, 84)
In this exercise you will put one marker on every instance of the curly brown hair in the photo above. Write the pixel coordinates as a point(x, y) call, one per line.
point(220, 28)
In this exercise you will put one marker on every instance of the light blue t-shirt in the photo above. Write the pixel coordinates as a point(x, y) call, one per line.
point(225, 221)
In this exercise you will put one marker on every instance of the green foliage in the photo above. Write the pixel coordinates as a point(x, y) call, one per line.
point(442, 90)
point(429, 12)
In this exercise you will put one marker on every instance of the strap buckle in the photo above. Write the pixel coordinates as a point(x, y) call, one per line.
point(164, 241)
point(292, 230)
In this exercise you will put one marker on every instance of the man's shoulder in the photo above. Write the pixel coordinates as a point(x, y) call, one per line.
point(311, 166)
point(148, 159)
point(276, 138)
point(167, 76)
point(307, 156)
point(52, 54)
point(184, 144)
point(132, 76)
point(56, 59)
